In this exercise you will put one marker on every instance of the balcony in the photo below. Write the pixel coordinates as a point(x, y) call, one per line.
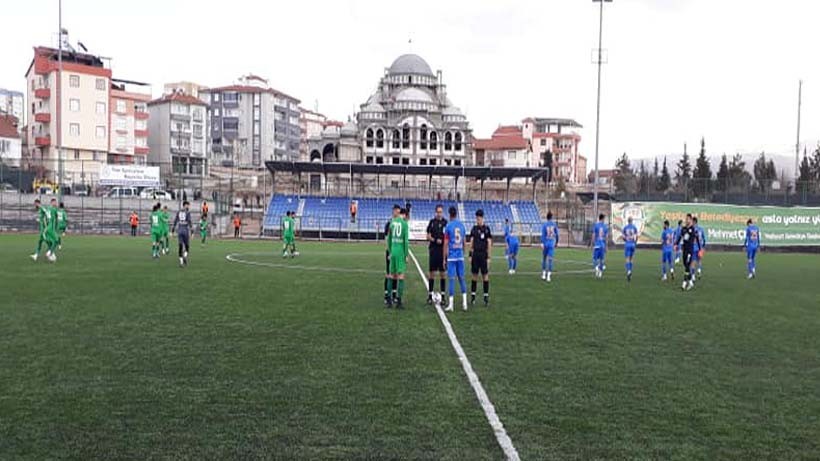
point(181, 117)
point(42, 117)
point(141, 115)
point(181, 150)
point(42, 141)
point(141, 133)
point(140, 150)
point(42, 93)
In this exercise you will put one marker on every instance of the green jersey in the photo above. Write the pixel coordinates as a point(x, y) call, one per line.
point(62, 219)
point(203, 226)
point(288, 226)
point(164, 220)
point(156, 222)
point(44, 218)
point(398, 240)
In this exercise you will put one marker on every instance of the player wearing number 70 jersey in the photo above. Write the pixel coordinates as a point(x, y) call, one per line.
point(454, 235)
point(398, 241)
point(288, 236)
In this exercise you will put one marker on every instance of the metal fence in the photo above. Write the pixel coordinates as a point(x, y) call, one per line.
point(745, 192)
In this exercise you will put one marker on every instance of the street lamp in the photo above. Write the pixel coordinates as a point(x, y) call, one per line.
point(598, 109)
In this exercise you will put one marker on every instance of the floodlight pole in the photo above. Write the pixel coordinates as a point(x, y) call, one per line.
point(797, 142)
point(598, 108)
point(58, 90)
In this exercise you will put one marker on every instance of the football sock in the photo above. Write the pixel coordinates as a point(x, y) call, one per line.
point(401, 288)
point(473, 286)
point(431, 284)
point(386, 288)
point(486, 289)
point(441, 285)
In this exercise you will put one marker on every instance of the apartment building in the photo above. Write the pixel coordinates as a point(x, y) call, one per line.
point(557, 139)
point(10, 144)
point(178, 135)
point(250, 123)
point(93, 117)
point(11, 103)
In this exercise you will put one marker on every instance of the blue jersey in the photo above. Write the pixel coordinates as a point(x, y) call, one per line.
point(701, 243)
point(512, 241)
point(677, 233)
point(454, 235)
point(549, 234)
point(668, 239)
point(507, 230)
point(599, 233)
point(752, 237)
point(630, 233)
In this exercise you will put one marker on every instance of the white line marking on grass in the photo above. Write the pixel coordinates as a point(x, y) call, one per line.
point(237, 258)
point(489, 410)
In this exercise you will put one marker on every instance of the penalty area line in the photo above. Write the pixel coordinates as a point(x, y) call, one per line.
point(489, 410)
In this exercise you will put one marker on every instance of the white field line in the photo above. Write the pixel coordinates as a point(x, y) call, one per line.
point(489, 410)
point(237, 258)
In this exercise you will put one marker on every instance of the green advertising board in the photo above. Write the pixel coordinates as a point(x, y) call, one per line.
point(723, 224)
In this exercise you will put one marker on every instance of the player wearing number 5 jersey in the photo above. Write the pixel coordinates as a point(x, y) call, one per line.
point(398, 241)
point(630, 236)
point(454, 235)
point(549, 240)
point(668, 239)
point(599, 233)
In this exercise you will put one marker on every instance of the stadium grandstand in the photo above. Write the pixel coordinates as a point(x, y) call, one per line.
point(330, 215)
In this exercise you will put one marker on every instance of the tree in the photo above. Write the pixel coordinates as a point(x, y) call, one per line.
point(624, 179)
point(643, 179)
point(702, 172)
point(664, 181)
point(764, 172)
point(804, 180)
point(739, 178)
point(684, 170)
point(653, 178)
point(815, 165)
point(722, 174)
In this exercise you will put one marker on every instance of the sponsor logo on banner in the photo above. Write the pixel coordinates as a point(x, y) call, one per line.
point(129, 175)
point(418, 229)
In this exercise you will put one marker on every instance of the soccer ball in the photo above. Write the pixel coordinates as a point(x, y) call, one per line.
point(437, 299)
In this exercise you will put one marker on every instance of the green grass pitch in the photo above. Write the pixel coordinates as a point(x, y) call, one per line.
point(108, 354)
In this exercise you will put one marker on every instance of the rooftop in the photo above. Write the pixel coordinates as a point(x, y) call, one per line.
point(410, 64)
point(178, 97)
point(8, 127)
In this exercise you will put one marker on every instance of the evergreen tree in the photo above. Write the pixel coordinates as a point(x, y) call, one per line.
point(683, 173)
point(739, 178)
point(815, 165)
point(643, 179)
point(702, 172)
point(664, 180)
point(653, 177)
point(722, 174)
point(764, 172)
point(804, 181)
point(624, 178)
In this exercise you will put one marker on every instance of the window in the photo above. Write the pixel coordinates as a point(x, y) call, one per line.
point(100, 84)
point(230, 125)
point(511, 155)
point(76, 155)
point(448, 141)
point(74, 129)
point(120, 123)
point(379, 160)
point(405, 136)
point(369, 159)
point(458, 162)
point(422, 161)
point(256, 99)
point(379, 138)
point(141, 142)
point(423, 137)
point(100, 108)
point(433, 162)
point(120, 106)
point(216, 112)
point(74, 105)
point(369, 138)
point(396, 140)
point(121, 142)
point(396, 160)
point(458, 141)
point(99, 133)
point(433, 141)
point(543, 142)
point(405, 161)
point(74, 81)
point(216, 97)
point(139, 125)
point(5, 146)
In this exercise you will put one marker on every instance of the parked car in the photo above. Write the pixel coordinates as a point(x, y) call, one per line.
point(8, 188)
point(123, 192)
point(155, 194)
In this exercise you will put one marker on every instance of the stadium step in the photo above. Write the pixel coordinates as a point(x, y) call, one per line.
point(514, 211)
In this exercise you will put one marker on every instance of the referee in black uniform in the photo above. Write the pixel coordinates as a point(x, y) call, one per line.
point(435, 247)
point(388, 297)
point(481, 244)
point(687, 240)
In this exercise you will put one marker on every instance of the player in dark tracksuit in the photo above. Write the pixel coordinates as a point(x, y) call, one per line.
point(481, 245)
point(387, 279)
point(182, 219)
point(435, 239)
point(688, 241)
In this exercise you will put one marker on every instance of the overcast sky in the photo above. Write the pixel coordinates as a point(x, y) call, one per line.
point(677, 69)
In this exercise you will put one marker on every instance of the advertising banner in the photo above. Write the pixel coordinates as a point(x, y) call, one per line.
point(129, 175)
point(723, 224)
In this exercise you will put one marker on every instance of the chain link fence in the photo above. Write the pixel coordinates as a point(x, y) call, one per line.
point(728, 191)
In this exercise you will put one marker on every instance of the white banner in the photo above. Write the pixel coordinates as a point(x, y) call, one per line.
point(129, 175)
point(418, 229)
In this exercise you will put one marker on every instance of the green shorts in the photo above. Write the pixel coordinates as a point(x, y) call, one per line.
point(288, 239)
point(398, 265)
point(156, 236)
point(61, 230)
point(49, 236)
